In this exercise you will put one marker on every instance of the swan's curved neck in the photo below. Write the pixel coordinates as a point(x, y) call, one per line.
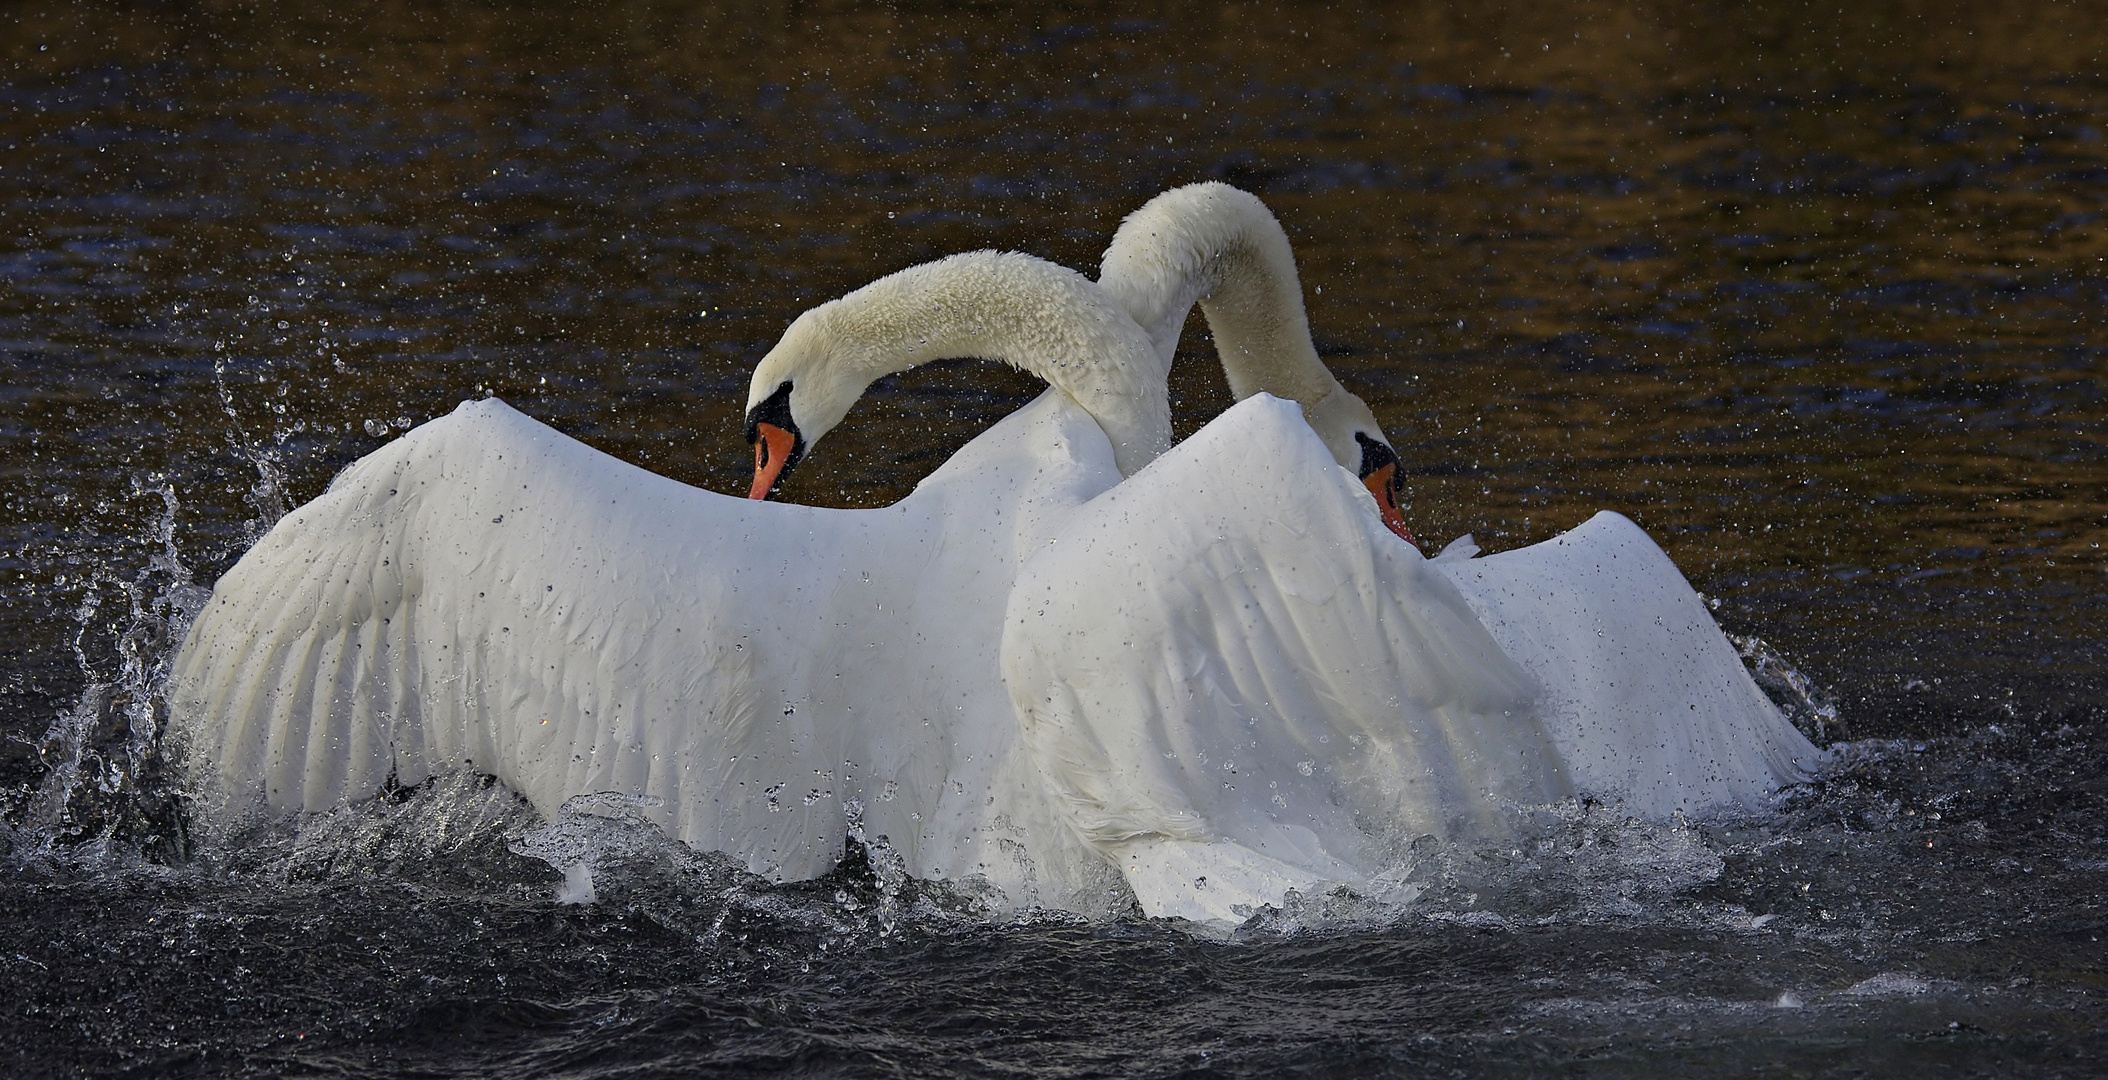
point(1017, 309)
point(1220, 247)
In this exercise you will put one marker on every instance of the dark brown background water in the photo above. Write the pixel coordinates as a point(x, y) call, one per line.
point(1812, 291)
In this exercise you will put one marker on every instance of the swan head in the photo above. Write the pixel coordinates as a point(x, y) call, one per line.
point(999, 306)
point(800, 391)
point(1348, 429)
point(778, 444)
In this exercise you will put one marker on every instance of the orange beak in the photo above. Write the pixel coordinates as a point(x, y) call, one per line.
point(772, 450)
point(1380, 485)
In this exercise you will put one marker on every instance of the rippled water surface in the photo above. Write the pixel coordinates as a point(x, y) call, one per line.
point(1815, 296)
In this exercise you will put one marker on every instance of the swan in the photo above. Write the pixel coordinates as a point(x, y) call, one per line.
point(1260, 618)
point(487, 593)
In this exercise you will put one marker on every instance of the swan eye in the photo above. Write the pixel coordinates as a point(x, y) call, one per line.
point(774, 409)
point(778, 444)
point(1375, 454)
point(1379, 470)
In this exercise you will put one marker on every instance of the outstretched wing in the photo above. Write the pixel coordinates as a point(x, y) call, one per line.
point(1644, 695)
point(486, 593)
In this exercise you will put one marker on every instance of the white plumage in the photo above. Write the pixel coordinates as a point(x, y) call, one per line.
point(486, 593)
point(1237, 681)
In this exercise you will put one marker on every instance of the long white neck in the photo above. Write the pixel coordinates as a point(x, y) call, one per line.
point(1017, 309)
point(1220, 247)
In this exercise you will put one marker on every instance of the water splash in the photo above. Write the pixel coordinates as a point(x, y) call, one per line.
point(105, 787)
point(589, 829)
point(1574, 863)
point(889, 870)
point(1811, 709)
point(451, 830)
point(268, 495)
point(107, 790)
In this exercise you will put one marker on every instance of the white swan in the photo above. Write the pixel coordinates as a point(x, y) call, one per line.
point(487, 593)
point(1260, 621)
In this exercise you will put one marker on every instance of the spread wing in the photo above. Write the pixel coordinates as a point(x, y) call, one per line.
point(486, 593)
point(1645, 697)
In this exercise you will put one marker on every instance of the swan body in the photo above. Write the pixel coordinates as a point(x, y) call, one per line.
point(1236, 681)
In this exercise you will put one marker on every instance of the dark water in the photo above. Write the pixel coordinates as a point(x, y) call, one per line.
point(1814, 295)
